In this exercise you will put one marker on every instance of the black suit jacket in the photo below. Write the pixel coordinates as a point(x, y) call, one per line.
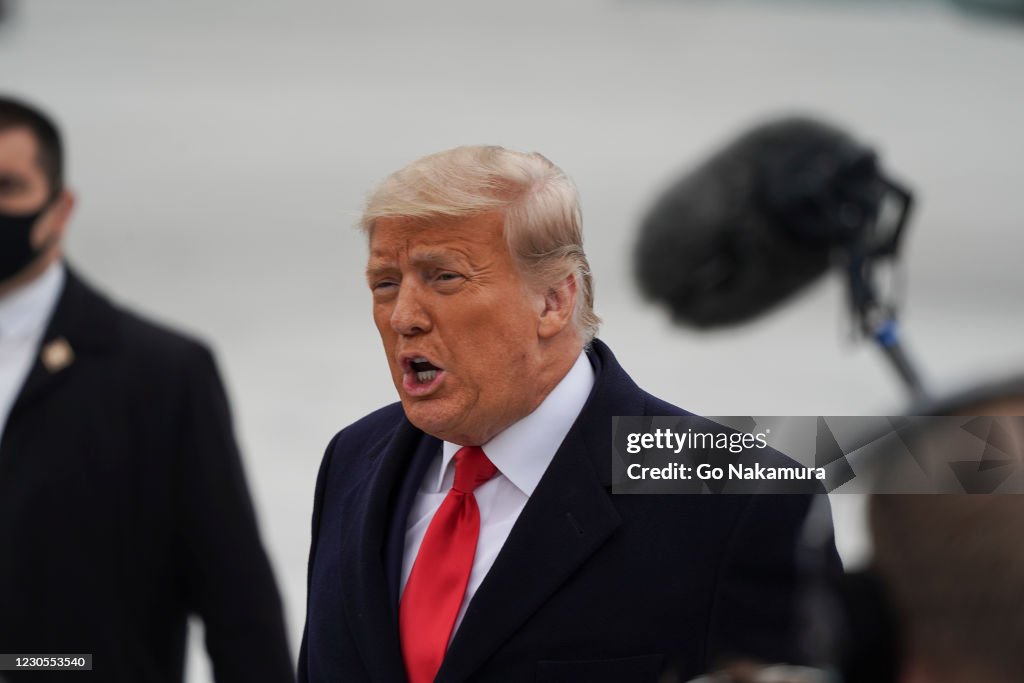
point(123, 508)
point(589, 586)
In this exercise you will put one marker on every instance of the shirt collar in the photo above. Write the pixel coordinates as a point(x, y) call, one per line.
point(523, 451)
point(25, 311)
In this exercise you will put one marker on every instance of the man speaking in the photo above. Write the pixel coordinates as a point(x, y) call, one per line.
point(469, 533)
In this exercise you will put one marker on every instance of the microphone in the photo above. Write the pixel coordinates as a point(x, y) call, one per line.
point(767, 216)
point(755, 223)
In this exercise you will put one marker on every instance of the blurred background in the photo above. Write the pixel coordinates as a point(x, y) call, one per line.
point(221, 151)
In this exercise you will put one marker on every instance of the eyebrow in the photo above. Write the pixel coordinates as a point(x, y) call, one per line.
point(434, 257)
point(375, 270)
point(425, 257)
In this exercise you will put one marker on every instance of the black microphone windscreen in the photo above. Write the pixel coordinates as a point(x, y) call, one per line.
point(750, 226)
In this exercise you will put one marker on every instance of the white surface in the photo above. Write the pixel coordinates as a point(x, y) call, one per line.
point(222, 150)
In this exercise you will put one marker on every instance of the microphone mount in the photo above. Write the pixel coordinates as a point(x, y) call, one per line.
point(836, 198)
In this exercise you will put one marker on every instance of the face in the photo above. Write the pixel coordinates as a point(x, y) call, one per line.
point(23, 185)
point(463, 333)
point(24, 189)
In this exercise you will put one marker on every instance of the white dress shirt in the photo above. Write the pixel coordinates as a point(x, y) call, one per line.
point(24, 314)
point(521, 453)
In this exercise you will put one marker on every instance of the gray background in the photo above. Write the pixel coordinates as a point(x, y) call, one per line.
point(221, 151)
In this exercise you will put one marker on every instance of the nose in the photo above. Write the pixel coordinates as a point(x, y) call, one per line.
point(409, 317)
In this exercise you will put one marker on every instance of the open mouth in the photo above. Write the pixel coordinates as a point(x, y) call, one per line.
point(423, 370)
point(420, 376)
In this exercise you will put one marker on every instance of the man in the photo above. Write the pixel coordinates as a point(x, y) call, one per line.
point(954, 568)
point(469, 533)
point(123, 506)
point(953, 565)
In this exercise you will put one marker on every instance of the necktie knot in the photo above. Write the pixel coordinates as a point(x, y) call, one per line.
point(472, 468)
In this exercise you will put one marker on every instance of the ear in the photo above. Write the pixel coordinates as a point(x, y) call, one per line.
point(62, 209)
point(559, 304)
point(50, 229)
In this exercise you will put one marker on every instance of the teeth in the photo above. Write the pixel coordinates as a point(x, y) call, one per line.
point(419, 359)
point(426, 375)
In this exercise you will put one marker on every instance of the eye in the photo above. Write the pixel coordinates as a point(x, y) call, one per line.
point(447, 281)
point(8, 185)
point(383, 286)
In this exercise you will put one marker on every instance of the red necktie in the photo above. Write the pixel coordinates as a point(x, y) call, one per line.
point(437, 583)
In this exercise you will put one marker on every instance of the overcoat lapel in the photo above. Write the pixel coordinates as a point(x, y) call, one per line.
point(569, 517)
point(429, 447)
point(367, 599)
point(83, 322)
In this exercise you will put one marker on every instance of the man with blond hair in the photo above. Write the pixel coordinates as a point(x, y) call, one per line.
point(468, 533)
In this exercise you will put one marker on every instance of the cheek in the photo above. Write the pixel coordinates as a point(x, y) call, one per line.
point(504, 350)
point(387, 336)
point(41, 231)
point(382, 319)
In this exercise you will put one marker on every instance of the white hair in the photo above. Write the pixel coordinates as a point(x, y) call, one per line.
point(540, 205)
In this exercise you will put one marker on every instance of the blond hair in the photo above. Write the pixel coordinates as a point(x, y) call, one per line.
point(540, 205)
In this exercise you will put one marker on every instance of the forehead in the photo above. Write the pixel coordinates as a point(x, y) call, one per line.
point(19, 152)
point(392, 237)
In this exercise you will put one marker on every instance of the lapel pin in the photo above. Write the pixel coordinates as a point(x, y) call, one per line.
point(57, 355)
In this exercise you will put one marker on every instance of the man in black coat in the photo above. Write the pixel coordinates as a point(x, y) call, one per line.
point(123, 505)
point(470, 533)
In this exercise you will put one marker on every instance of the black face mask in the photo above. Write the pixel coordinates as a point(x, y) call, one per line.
point(16, 251)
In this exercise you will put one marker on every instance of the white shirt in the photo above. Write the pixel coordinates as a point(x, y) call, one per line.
point(522, 453)
point(24, 314)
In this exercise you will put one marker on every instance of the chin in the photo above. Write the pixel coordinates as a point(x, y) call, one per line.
point(429, 417)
